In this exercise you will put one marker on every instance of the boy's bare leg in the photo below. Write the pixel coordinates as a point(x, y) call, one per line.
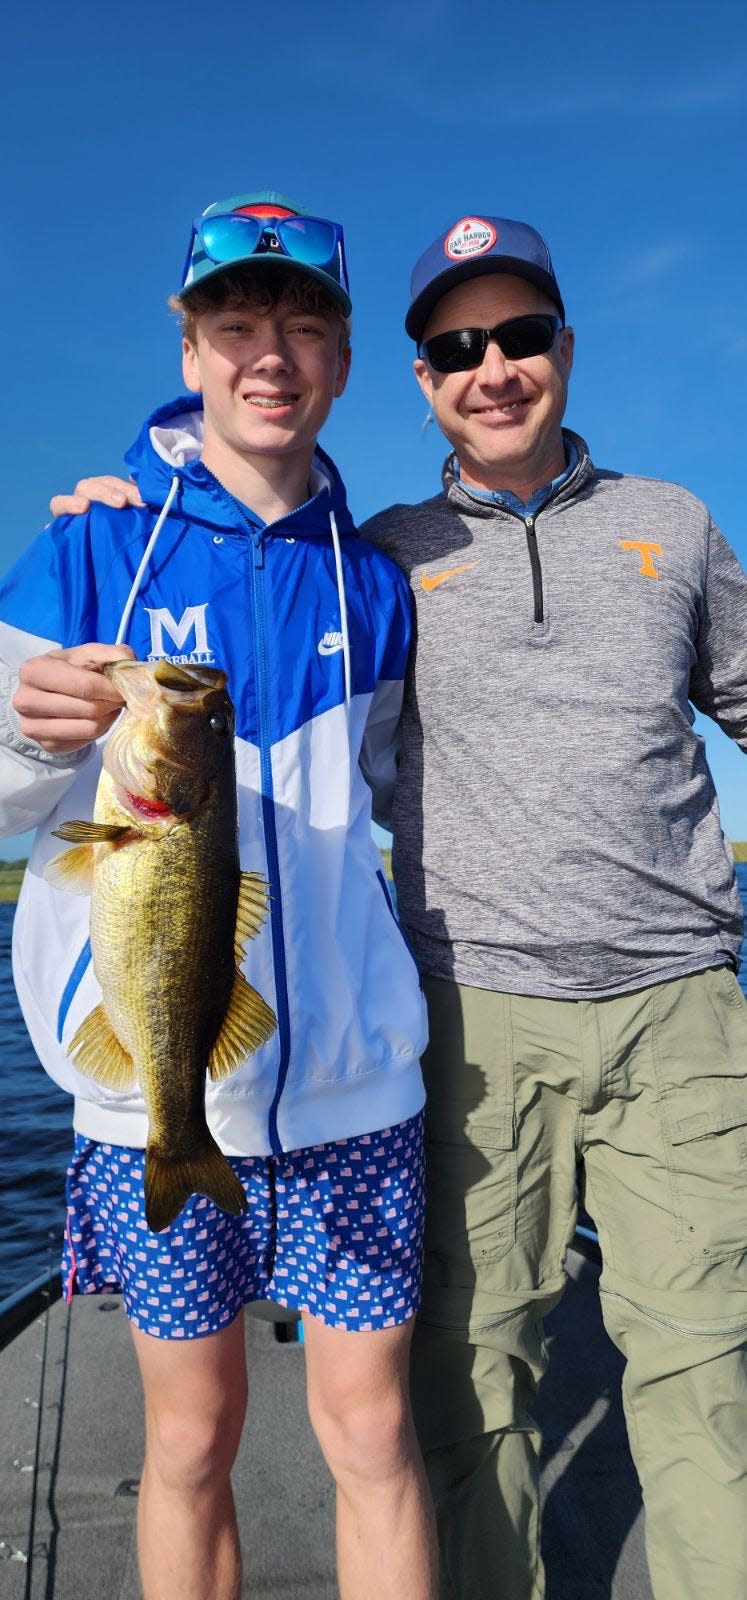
point(195, 1400)
point(358, 1393)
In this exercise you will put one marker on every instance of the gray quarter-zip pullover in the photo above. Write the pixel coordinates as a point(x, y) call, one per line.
point(556, 828)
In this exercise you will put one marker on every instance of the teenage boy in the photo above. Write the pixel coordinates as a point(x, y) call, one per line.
point(253, 565)
point(565, 883)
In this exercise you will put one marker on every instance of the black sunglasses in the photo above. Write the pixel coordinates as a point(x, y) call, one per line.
point(461, 349)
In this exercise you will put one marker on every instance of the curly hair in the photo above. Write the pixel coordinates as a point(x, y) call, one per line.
point(260, 287)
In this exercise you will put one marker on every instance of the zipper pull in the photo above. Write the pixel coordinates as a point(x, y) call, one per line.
point(259, 549)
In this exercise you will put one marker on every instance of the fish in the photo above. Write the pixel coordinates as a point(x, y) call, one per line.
point(171, 912)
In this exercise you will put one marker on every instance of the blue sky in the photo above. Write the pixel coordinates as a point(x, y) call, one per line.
point(619, 131)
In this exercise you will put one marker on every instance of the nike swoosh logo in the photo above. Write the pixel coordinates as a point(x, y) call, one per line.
point(440, 577)
point(328, 649)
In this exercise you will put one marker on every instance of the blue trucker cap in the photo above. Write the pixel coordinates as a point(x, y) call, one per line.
point(471, 247)
point(267, 206)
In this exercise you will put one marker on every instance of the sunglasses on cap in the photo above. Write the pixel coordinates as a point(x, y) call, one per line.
point(231, 236)
point(462, 349)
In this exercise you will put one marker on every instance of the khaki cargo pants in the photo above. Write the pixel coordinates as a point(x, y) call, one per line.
point(651, 1089)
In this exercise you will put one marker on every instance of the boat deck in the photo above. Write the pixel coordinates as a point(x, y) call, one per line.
point(72, 1447)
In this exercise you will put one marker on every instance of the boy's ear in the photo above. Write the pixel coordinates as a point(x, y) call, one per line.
point(343, 370)
point(190, 367)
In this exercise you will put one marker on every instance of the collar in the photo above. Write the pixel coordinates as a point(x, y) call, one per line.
point(511, 502)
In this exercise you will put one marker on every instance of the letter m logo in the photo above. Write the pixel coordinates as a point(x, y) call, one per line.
point(192, 620)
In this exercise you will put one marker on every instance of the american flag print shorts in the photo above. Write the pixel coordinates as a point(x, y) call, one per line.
point(335, 1230)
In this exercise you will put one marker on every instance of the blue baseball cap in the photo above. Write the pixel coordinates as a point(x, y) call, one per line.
point(471, 247)
point(280, 231)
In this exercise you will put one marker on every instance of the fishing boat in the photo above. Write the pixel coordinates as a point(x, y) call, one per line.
point(72, 1444)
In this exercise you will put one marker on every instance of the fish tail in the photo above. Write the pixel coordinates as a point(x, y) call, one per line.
point(169, 1183)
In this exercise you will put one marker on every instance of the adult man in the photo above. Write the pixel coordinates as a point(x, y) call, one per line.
point(252, 564)
point(562, 876)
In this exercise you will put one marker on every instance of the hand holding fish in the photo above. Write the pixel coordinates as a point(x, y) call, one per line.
point(65, 700)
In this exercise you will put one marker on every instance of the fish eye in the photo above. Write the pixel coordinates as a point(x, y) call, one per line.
point(218, 722)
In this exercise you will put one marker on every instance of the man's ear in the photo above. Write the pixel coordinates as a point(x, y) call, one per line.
point(190, 367)
point(425, 378)
point(566, 346)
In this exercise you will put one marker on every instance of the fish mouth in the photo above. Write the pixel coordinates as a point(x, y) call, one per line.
point(143, 683)
point(159, 758)
point(145, 807)
point(151, 808)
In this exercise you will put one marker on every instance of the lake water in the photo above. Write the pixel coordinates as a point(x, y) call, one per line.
point(37, 1136)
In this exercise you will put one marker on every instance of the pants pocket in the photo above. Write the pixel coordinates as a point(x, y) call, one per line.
point(700, 1053)
point(471, 1164)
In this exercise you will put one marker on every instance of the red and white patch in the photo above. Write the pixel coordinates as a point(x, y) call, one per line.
point(471, 237)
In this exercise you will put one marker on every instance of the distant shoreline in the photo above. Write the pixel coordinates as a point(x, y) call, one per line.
point(11, 876)
point(11, 872)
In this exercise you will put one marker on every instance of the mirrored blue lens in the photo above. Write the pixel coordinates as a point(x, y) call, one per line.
point(235, 237)
point(230, 238)
point(308, 240)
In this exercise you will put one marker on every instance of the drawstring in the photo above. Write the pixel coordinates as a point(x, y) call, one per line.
point(132, 596)
point(122, 629)
point(343, 607)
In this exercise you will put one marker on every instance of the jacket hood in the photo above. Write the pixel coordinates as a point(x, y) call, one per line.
point(169, 444)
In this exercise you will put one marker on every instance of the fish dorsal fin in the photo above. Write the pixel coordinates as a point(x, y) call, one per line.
point(98, 1054)
point(254, 903)
point(249, 1022)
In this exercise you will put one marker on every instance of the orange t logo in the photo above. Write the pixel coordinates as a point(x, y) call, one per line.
point(646, 551)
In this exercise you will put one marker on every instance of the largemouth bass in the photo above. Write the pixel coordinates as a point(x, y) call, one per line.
point(170, 913)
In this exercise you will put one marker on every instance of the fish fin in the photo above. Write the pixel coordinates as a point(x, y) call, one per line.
point(98, 1054)
point(93, 832)
point(248, 1023)
point(72, 870)
point(170, 1182)
point(254, 903)
point(171, 676)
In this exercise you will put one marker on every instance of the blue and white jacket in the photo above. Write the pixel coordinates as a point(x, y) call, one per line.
point(312, 626)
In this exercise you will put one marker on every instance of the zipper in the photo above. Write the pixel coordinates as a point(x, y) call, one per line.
point(277, 934)
point(536, 565)
point(532, 546)
point(271, 838)
point(534, 556)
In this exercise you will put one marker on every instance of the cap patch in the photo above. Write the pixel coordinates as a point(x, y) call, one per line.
point(471, 237)
point(264, 210)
